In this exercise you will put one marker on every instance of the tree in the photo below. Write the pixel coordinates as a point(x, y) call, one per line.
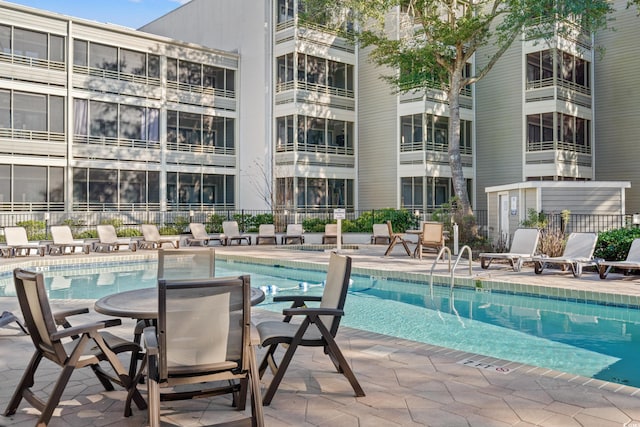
point(436, 39)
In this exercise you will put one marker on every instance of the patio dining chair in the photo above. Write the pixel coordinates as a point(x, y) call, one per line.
point(395, 239)
point(202, 338)
point(70, 347)
point(318, 328)
point(431, 238)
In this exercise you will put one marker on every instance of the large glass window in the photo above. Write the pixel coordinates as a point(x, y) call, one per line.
point(80, 53)
point(114, 187)
point(318, 71)
point(31, 44)
point(284, 192)
point(5, 39)
point(103, 57)
point(29, 111)
point(317, 193)
point(184, 189)
point(132, 122)
point(5, 109)
point(573, 132)
point(411, 192)
point(103, 119)
point(29, 184)
point(132, 62)
point(540, 128)
point(285, 68)
point(285, 10)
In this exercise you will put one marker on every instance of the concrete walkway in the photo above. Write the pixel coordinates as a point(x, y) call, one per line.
point(407, 383)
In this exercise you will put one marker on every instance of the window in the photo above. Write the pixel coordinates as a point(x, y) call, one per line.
point(172, 69)
point(29, 111)
point(29, 184)
point(154, 66)
point(284, 192)
point(56, 114)
point(285, 10)
point(188, 189)
point(540, 128)
point(132, 123)
point(540, 67)
point(5, 39)
point(80, 53)
point(132, 188)
point(103, 57)
point(103, 119)
point(284, 138)
point(285, 68)
point(132, 62)
point(29, 43)
point(411, 192)
point(5, 109)
point(411, 137)
point(56, 48)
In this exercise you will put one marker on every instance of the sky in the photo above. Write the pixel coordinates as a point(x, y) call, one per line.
point(130, 13)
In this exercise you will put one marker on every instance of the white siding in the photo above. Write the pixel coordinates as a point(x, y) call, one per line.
point(378, 180)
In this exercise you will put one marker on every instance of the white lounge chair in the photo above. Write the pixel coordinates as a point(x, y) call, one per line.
point(152, 238)
point(294, 234)
point(577, 253)
point(109, 240)
point(200, 236)
point(64, 243)
point(523, 247)
point(267, 234)
point(18, 243)
point(232, 233)
point(631, 263)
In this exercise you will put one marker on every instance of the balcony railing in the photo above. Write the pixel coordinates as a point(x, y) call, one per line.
point(32, 62)
point(34, 135)
point(116, 142)
point(558, 145)
point(315, 148)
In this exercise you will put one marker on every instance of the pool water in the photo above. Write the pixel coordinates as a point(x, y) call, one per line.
point(580, 338)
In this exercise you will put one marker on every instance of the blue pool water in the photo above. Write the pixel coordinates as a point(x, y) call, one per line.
point(581, 338)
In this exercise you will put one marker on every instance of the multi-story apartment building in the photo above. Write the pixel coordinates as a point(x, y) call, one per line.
point(258, 108)
point(99, 117)
point(297, 103)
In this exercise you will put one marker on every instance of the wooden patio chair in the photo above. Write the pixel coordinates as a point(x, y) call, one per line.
point(318, 328)
point(431, 238)
point(395, 239)
point(88, 346)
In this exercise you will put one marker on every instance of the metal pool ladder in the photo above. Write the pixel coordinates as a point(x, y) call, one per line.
point(451, 270)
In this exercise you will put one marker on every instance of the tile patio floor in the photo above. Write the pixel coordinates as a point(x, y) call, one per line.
point(407, 383)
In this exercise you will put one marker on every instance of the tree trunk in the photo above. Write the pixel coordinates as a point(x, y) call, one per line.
point(455, 159)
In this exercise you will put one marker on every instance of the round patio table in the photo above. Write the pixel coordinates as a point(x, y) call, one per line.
point(142, 304)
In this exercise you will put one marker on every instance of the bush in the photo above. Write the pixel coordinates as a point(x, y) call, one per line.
point(214, 223)
point(551, 242)
point(129, 232)
point(613, 245)
point(35, 229)
point(88, 234)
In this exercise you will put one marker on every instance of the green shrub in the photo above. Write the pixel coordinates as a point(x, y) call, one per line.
point(129, 232)
point(613, 245)
point(116, 222)
point(35, 229)
point(214, 223)
point(88, 234)
point(180, 224)
point(170, 230)
point(315, 225)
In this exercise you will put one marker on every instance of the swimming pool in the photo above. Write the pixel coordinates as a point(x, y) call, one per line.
point(581, 338)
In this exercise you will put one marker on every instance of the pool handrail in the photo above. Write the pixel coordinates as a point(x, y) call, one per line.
point(467, 248)
point(435, 261)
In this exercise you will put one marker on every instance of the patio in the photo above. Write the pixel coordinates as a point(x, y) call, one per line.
point(407, 383)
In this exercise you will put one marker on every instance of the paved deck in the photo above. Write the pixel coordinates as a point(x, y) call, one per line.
point(407, 383)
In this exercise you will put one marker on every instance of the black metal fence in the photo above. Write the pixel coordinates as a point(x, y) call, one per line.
point(250, 219)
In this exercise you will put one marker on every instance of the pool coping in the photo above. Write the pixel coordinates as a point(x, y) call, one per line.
point(477, 282)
